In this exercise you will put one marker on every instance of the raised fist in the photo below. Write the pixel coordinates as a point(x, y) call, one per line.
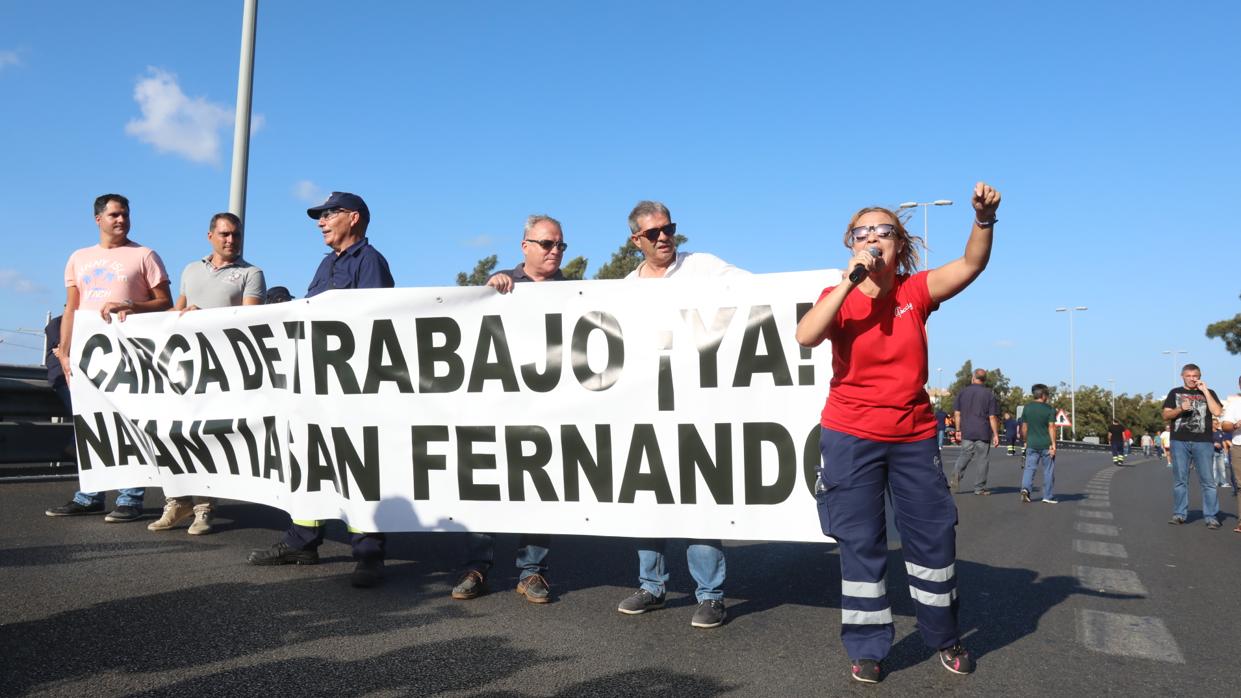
point(986, 202)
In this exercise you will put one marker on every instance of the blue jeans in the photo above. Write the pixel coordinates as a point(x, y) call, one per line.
point(1033, 459)
point(706, 566)
point(130, 497)
point(532, 552)
point(1202, 453)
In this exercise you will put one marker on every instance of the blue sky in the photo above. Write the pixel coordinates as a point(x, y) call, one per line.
point(1110, 128)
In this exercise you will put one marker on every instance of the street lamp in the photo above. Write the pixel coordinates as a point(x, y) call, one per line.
point(926, 261)
point(1111, 389)
point(1175, 371)
point(1072, 368)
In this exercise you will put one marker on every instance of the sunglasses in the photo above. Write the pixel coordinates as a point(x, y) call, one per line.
point(547, 245)
point(882, 231)
point(324, 215)
point(653, 234)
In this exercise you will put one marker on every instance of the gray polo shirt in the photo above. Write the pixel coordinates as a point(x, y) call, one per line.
point(207, 287)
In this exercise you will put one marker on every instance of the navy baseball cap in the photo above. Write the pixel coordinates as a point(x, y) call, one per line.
point(341, 199)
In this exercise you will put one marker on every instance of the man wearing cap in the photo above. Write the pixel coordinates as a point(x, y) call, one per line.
point(343, 219)
point(652, 231)
point(221, 279)
point(542, 246)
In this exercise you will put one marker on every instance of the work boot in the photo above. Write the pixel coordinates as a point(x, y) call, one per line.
point(176, 510)
point(203, 514)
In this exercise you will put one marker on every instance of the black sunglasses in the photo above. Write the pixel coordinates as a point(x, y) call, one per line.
point(653, 234)
point(547, 245)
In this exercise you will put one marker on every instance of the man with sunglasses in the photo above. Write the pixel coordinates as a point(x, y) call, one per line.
point(343, 219)
point(654, 234)
point(542, 246)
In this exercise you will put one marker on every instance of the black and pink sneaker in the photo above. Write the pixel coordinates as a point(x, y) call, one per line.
point(957, 660)
point(866, 671)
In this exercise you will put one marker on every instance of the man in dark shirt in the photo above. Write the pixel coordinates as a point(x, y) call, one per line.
point(977, 416)
point(1010, 433)
point(1116, 437)
point(343, 219)
point(1190, 408)
point(542, 248)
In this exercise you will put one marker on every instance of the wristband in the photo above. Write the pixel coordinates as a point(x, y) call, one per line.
point(986, 224)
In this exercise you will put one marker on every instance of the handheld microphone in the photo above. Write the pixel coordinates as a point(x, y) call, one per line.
point(859, 272)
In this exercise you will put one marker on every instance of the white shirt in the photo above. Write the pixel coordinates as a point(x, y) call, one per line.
point(695, 264)
point(1232, 413)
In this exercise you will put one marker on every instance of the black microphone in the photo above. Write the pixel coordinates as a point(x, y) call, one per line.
point(859, 272)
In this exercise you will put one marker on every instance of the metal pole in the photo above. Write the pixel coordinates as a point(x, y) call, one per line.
point(46, 320)
point(926, 239)
point(1072, 380)
point(241, 126)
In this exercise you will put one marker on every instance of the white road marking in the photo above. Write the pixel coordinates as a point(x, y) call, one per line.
point(1127, 636)
point(1104, 579)
point(1097, 529)
point(1095, 547)
point(1087, 514)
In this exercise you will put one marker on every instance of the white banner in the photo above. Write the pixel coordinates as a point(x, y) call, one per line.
point(669, 408)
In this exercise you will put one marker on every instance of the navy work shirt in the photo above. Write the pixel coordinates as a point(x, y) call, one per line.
point(976, 403)
point(359, 266)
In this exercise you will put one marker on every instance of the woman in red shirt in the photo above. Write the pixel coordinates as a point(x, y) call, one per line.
point(879, 433)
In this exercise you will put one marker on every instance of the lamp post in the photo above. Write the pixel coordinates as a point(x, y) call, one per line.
point(939, 386)
point(1072, 368)
point(1175, 371)
point(1111, 389)
point(926, 261)
point(241, 128)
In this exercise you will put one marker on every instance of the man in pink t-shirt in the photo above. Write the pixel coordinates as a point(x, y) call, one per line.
point(116, 277)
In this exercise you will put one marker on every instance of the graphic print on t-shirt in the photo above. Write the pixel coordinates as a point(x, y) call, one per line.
point(1195, 420)
point(95, 278)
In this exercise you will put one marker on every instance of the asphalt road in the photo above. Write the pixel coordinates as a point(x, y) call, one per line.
point(1096, 594)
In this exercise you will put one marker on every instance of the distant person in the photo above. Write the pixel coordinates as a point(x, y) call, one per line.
point(343, 220)
point(878, 433)
point(114, 278)
point(1219, 441)
point(941, 427)
point(652, 231)
point(542, 249)
point(1116, 438)
point(277, 294)
point(56, 371)
point(1010, 433)
point(1128, 439)
point(1190, 408)
point(219, 280)
point(1147, 442)
point(1038, 430)
point(976, 413)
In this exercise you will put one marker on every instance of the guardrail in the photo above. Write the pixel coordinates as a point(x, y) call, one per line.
point(36, 436)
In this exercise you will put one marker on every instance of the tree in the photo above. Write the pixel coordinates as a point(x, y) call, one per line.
point(482, 271)
point(575, 269)
point(626, 259)
point(1229, 331)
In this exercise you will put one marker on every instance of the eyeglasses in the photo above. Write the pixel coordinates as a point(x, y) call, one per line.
point(324, 215)
point(883, 231)
point(653, 234)
point(547, 245)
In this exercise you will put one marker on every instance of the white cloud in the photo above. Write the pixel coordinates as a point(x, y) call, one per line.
point(13, 280)
point(8, 58)
point(308, 191)
point(175, 123)
point(1005, 343)
point(483, 240)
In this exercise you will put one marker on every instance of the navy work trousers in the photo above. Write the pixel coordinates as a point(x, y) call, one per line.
point(856, 473)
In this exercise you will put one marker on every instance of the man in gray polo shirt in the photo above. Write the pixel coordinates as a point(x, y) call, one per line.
point(219, 280)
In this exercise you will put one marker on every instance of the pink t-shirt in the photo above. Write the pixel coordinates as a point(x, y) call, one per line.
point(104, 275)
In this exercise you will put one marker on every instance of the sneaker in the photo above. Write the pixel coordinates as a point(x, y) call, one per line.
point(282, 554)
point(1177, 520)
point(866, 671)
point(982, 492)
point(367, 573)
point(957, 660)
point(471, 585)
point(72, 508)
point(535, 589)
point(123, 514)
point(1025, 496)
point(175, 511)
point(640, 601)
point(203, 516)
point(1212, 524)
point(1048, 500)
point(710, 614)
